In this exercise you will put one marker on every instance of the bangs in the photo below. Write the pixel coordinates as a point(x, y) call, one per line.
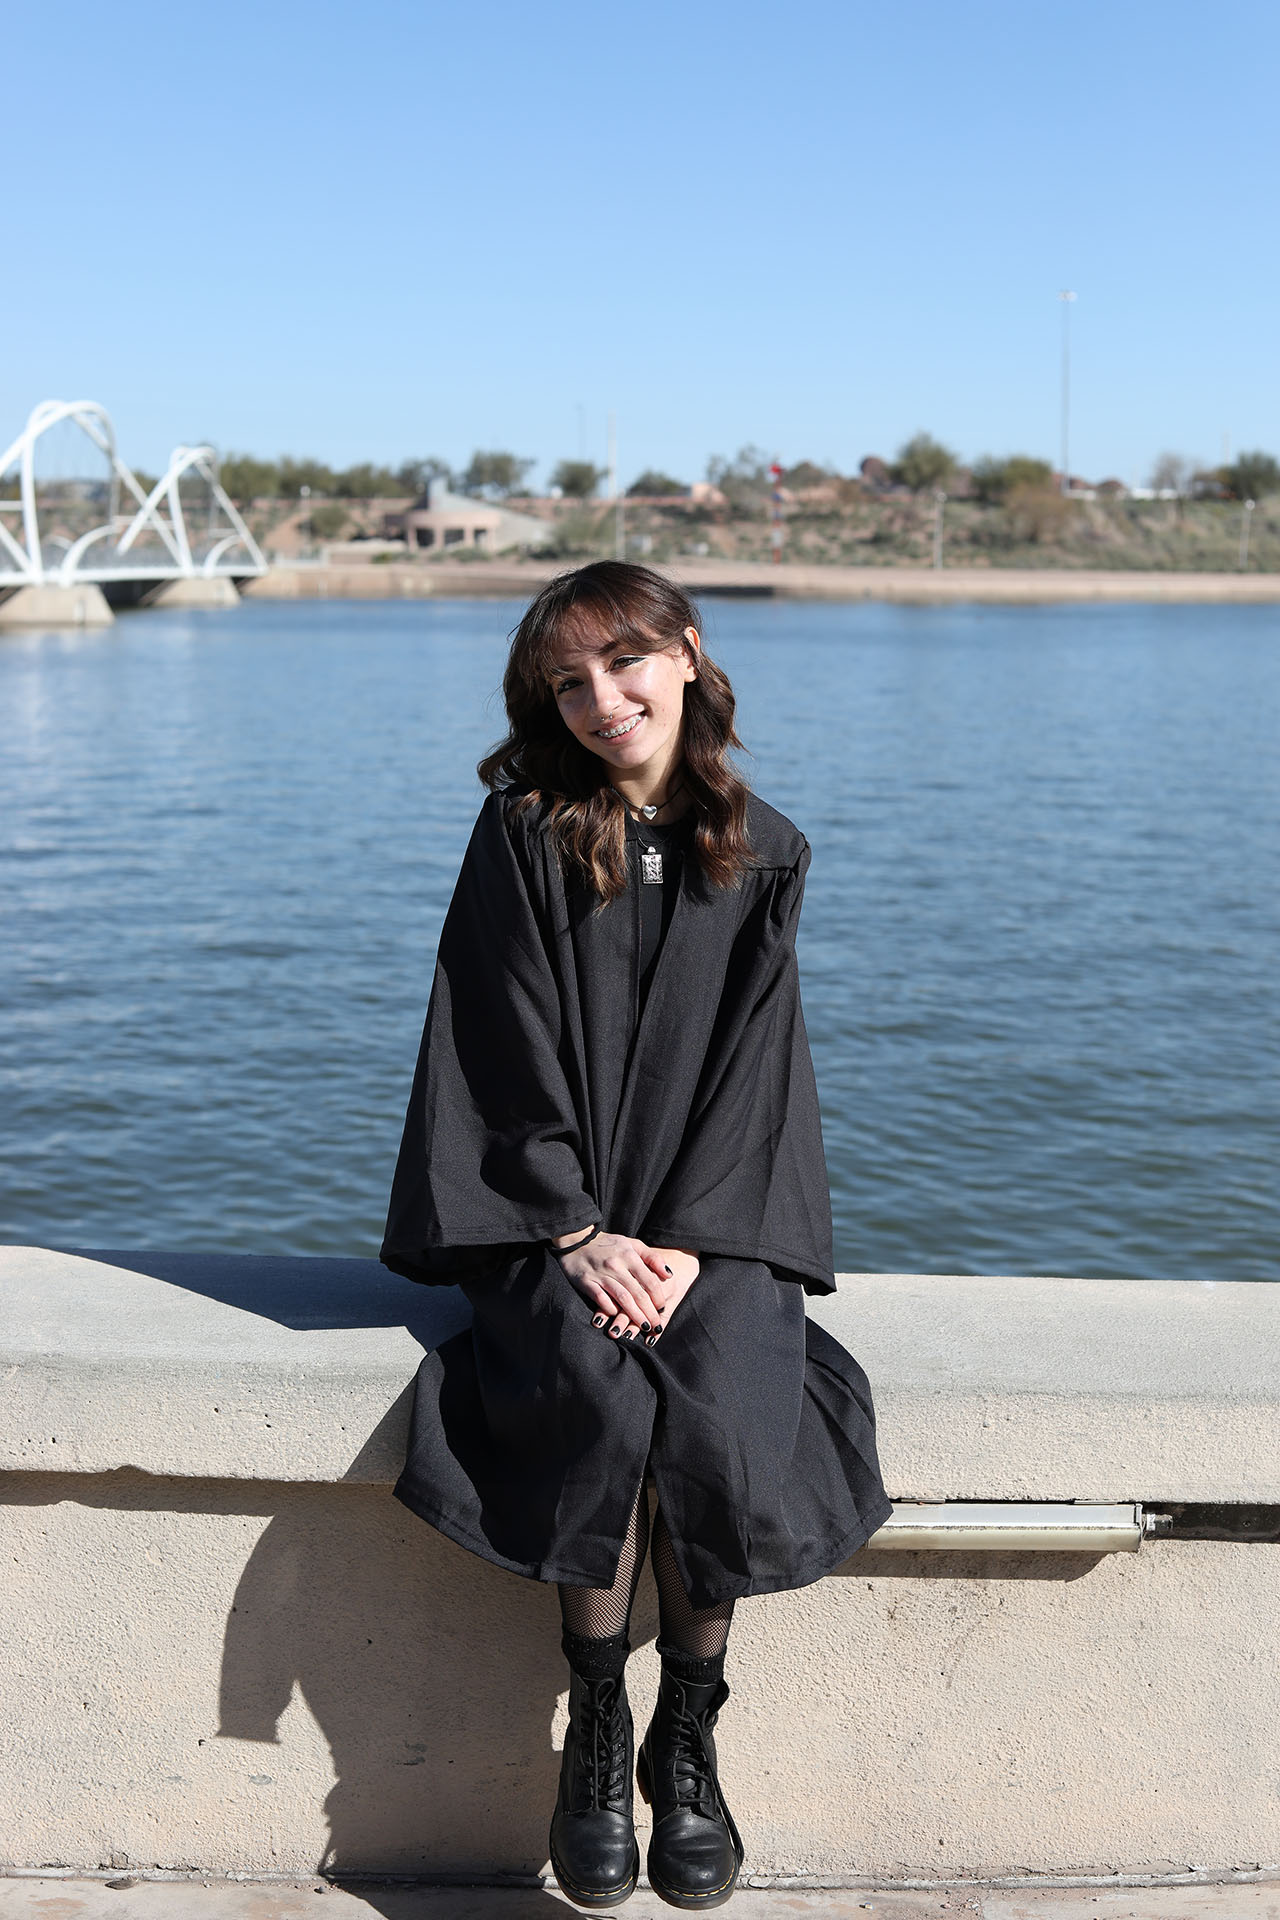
point(588, 617)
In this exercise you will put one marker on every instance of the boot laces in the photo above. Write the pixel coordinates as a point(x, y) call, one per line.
point(602, 1745)
point(693, 1773)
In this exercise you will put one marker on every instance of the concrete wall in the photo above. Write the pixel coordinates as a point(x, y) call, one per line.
point(51, 606)
point(915, 585)
point(225, 1646)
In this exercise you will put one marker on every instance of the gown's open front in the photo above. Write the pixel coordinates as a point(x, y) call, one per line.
point(650, 1070)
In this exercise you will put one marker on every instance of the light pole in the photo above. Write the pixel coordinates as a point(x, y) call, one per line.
point(1245, 519)
point(1066, 299)
point(775, 531)
point(615, 493)
point(939, 501)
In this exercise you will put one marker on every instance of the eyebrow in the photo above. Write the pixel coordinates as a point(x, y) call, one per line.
point(554, 671)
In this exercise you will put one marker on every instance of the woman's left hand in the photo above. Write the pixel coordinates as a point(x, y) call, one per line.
point(685, 1268)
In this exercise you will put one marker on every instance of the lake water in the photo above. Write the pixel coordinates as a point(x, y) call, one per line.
point(1041, 951)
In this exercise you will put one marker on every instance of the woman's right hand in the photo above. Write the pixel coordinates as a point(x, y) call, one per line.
point(626, 1283)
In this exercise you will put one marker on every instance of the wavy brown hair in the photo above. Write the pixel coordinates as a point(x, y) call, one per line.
point(609, 604)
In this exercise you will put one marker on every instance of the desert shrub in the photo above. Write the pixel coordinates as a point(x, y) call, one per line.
point(807, 473)
point(1036, 511)
point(652, 482)
point(328, 520)
point(994, 480)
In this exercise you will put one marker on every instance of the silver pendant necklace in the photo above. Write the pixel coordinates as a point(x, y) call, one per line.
point(650, 857)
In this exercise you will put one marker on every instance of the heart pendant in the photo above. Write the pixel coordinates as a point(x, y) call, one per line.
point(648, 812)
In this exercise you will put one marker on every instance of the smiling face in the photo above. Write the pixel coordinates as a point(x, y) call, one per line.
point(627, 707)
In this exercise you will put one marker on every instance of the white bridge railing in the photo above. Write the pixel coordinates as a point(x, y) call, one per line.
point(107, 529)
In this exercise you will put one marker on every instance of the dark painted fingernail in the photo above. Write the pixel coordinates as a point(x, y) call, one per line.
point(668, 1269)
point(652, 1340)
point(614, 1332)
point(598, 1320)
point(657, 1333)
point(631, 1333)
point(644, 1326)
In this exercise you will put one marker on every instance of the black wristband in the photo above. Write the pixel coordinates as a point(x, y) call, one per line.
point(559, 1252)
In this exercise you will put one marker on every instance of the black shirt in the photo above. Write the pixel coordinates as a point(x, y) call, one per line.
point(657, 902)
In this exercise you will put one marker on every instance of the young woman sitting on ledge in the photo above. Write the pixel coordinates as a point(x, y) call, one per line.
point(613, 1147)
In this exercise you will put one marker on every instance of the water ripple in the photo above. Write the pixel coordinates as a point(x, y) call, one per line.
point(1038, 950)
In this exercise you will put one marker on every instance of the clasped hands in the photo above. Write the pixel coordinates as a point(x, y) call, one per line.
point(634, 1289)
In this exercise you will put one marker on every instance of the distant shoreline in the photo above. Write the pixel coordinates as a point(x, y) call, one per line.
point(745, 579)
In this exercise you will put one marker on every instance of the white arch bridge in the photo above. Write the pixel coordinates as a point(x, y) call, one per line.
point(74, 516)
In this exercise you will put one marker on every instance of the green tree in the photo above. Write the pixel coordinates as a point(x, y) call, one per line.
point(247, 478)
point(807, 473)
point(496, 474)
point(328, 520)
point(364, 482)
point(414, 476)
point(1251, 476)
point(994, 479)
point(577, 479)
point(651, 481)
point(745, 481)
point(297, 474)
point(1170, 474)
point(923, 462)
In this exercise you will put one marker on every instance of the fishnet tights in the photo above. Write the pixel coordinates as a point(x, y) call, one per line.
point(598, 1613)
point(703, 1631)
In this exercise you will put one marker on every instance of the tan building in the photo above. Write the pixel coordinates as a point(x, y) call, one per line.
point(447, 519)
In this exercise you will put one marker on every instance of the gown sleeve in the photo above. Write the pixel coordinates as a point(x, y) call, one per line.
point(491, 1157)
point(749, 1179)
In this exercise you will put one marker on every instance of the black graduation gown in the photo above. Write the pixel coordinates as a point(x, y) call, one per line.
point(550, 1093)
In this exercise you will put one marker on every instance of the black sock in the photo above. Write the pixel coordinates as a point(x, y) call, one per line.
point(596, 1659)
point(698, 1670)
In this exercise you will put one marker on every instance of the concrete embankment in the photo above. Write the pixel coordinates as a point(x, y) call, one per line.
point(133, 1897)
point(230, 1650)
point(518, 580)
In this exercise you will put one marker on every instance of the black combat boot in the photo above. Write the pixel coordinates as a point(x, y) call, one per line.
point(695, 1852)
point(593, 1842)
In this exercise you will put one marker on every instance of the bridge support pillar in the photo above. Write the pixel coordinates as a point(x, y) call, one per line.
point(48, 606)
point(198, 592)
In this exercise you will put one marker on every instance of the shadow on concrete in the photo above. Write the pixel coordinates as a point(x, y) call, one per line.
point(477, 1903)
point(874, 1563)
point(306, 1294)
point(433, 1676)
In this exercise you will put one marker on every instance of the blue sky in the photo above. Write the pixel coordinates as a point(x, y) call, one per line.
point(417, 229)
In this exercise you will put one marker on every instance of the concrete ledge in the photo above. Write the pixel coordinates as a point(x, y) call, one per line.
point(225, 1648)
point(249, 1367)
